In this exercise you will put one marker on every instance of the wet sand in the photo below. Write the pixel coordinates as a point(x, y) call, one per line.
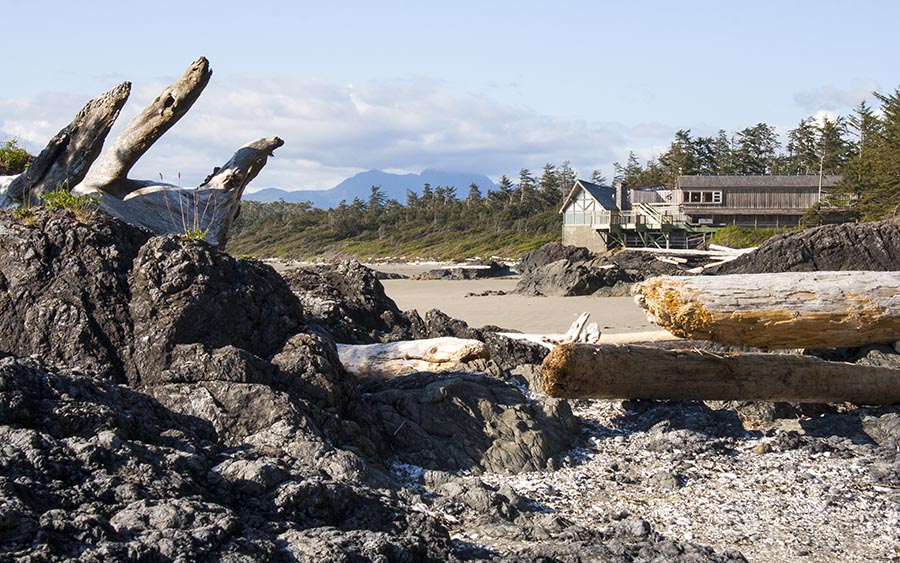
point(537, 315)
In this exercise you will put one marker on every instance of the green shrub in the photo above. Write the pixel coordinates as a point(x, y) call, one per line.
point(194, 233)
point(743, 237)
point(81, 206)
point(13, 158)
point(25, 215)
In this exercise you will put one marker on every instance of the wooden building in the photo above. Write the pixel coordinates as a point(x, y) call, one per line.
point(751, 201)
point(603, 217)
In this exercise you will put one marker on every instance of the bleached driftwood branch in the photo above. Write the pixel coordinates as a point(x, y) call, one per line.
point(787, 310)
point(589, 333)
point(110, 173)
point(585, 371)
point(212, 206)
point(640, 337)
point(409, 356)
point(580, 331)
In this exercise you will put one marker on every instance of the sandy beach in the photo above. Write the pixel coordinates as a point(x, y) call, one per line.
point(538, 315)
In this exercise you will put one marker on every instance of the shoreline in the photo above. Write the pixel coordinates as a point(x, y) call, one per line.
point(510, 311)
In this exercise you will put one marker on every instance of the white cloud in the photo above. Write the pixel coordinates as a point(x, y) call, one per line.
point(332, 131)
point(821, 116)
point(834, 99)
point(33, 121)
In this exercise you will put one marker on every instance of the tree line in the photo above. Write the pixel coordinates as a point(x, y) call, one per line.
point(522, 213)
point(434, 222)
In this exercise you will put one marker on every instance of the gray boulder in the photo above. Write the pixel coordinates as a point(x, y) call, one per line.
point(64, 291)
point(568, 278)
point(468, 422)
point(847, 246)
point(553, 252)
point(490, 269)
point(347, 301)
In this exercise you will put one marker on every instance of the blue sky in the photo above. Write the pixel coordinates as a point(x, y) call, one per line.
point(485, 86)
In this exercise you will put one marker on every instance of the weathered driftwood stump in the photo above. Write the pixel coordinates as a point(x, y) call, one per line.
point(65, 161)
point(788, 310)
point(70, 162)
point(604, 371)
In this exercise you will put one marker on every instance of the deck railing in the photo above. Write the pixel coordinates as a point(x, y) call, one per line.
point(647, 215)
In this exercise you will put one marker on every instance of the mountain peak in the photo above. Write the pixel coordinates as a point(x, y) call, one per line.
point(394, 186)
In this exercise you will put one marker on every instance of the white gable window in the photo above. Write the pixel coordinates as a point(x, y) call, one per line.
point(703, 198)
point(580, 209)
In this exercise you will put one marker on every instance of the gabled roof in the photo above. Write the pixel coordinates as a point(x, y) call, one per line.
point(605, 195)
point(761, 181)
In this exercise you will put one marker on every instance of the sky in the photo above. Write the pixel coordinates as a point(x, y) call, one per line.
point(467, 86)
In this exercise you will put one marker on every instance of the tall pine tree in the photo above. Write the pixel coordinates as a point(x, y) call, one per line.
point(757, 150)
point(872, 175)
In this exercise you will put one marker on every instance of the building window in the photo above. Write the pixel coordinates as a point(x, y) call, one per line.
point(702, 198)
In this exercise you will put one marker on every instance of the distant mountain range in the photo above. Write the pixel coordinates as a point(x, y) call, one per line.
point(394, 186)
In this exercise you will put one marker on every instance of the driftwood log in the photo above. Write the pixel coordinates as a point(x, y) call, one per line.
point(787, 310)
point(70, 162)
point(409, 356)
point(586, 371)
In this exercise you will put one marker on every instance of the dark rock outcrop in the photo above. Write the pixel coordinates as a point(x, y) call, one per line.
point(567, 278)
point(64, 291)
point(185, 294)
point(95, 471)
point(642, 265)
point(559, 270)
point(349, 302)
point(468, 272)
point(239, 436)
point(847, 246)
point(553, 252)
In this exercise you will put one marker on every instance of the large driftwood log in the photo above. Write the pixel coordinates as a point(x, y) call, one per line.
point(586, 371)
point(409, 356)
point(71, 162)
point(788, 310)
point(65, 160)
